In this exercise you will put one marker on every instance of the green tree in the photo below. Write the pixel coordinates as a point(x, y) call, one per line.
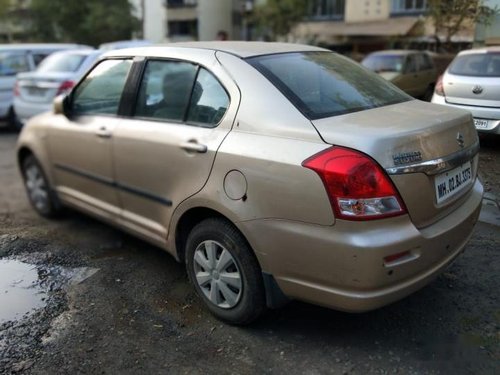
point(451, 16)
point(83, 21)
point(4, 7)
point(279, 16)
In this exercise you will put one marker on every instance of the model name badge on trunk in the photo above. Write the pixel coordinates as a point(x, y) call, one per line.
point(407, 157)
point(452, 182)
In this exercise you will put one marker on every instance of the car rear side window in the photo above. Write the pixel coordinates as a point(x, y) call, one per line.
point(209, 101)
point(101, 90)
point(181, 92)
point(12, 63)
point(477, 64)
point(324, 84)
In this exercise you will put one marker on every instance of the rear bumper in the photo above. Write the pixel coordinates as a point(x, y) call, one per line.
point(342, 266)
point(484, 113)
point(26, 110)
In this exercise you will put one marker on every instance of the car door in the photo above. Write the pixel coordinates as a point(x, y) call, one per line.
point(426, 72)
point(80, 143)
point(410, 79)
point(164, 153)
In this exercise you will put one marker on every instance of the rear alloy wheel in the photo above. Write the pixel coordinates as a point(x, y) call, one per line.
point(40, 195)
point(224, 272)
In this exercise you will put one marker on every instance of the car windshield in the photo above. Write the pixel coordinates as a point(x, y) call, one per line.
point(477, 64)
point(61, 62)
point(384, 63)
point(12, 62)
point(325, 84)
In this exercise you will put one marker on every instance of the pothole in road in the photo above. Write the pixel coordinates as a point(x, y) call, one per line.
point(26, 288)
point(20, 290)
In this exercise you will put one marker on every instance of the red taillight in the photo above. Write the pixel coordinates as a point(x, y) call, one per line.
point(16, 89)
point(358, 188)
point(65, 87)
point(439, 89)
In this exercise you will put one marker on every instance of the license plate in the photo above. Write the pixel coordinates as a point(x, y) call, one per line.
point(453, 182)
point(35, 91)
point(480, 124)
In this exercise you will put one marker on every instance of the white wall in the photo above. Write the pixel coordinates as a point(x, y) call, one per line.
point(214, 15)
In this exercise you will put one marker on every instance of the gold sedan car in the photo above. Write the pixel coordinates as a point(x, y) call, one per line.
point(273, 171)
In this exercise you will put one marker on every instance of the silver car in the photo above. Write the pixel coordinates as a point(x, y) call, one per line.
point(17, 58)
point(274, 171)
point(472, 82)
point(57, 74)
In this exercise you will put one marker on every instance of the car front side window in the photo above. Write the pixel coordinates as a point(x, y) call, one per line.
point(101, 90)
point(165, 90)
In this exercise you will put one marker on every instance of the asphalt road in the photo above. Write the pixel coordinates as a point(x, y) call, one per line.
point(114, 304)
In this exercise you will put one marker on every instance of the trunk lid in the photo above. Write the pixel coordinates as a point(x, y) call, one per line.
point(476, 91)
point(411, 133)
point(41, 88)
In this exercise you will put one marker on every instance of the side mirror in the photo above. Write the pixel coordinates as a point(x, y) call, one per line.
point(60, 104)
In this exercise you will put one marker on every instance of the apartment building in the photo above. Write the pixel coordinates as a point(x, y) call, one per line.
point(367, 25)
point(185, 20)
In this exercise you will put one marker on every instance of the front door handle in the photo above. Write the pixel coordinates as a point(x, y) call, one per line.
point(103, 132)
point(194, 146)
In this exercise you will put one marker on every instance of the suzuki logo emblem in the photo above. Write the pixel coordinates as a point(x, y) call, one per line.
point(460, 140)
point(477, 89)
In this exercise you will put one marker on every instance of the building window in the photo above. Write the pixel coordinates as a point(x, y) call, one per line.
point(182, 28)
point(405, 7)
point(326, 9)
point(181, 3)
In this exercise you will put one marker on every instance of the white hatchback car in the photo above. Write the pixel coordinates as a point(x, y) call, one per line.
point(472, 82)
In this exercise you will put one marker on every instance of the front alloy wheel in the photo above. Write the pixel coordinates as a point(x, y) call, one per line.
point(40, 195)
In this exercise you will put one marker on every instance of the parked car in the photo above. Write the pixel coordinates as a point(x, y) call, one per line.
point(34, 92)
point(472, 82)
point(412, 71)
point(273, 171)
point(17, 58)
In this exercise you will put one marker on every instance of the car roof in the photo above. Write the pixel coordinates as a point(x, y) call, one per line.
point(396, 52)
point(41, 46)
point(78, 51)
point(241, 49)
point(481, 50)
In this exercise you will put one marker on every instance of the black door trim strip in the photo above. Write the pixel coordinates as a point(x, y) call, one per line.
point(115, 184)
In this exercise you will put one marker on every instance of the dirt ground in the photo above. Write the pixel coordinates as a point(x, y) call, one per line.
point(118, 305)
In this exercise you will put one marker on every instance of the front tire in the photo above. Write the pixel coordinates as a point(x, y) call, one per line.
point(225, 272)
point(40, 194)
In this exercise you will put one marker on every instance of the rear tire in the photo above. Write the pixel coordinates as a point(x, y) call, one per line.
point(225, 272)
point(428, 93)
point(13, 121)
point(43, 199)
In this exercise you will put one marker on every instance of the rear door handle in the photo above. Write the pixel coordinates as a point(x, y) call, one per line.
point(194, 146)
point(103, 133)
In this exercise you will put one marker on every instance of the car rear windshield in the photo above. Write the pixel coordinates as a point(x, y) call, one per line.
point(325, 84)
point(477, 64)
point(12, 62)
point(64, 62)
point(384, 63)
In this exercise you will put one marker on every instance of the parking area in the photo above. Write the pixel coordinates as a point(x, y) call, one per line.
point(110, 303)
